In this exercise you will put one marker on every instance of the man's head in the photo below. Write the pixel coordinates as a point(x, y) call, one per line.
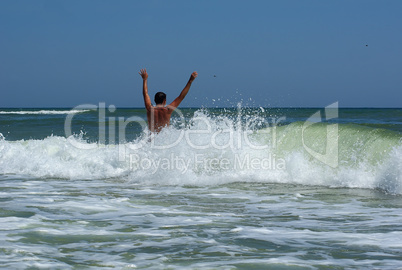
point(160, 98)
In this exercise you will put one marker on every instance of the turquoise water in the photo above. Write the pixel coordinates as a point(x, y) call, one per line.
point(241, 194)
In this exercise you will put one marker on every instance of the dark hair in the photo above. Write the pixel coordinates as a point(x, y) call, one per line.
point(160, 97)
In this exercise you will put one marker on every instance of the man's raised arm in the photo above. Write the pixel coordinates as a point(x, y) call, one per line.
point(147, 99)
point(184, 92)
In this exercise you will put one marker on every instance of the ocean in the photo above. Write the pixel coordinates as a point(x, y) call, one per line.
point(221, 188)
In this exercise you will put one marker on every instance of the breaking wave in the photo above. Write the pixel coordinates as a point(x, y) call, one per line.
point(217, 150)
point(45, 112)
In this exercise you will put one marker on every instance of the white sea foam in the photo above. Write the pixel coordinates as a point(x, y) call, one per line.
point(45, 112)
point(195, 158)
point(111, 224)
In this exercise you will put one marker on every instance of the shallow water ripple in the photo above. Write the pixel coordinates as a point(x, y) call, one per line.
point(112, 224)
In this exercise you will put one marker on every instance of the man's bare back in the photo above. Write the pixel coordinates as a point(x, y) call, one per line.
point(159, 115)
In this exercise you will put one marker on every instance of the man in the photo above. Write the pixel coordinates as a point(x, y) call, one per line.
point(159, 115)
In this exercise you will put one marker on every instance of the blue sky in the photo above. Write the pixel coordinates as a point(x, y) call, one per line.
point(263, 53)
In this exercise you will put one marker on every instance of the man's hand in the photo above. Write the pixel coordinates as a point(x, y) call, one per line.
point(147, 100)
point(193, 76)
point(143, 73)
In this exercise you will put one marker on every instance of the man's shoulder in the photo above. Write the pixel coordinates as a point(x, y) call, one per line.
point(159, 107)
point(162, 109)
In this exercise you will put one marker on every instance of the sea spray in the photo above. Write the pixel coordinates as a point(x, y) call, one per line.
point(216, 149)
point(220, 188)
